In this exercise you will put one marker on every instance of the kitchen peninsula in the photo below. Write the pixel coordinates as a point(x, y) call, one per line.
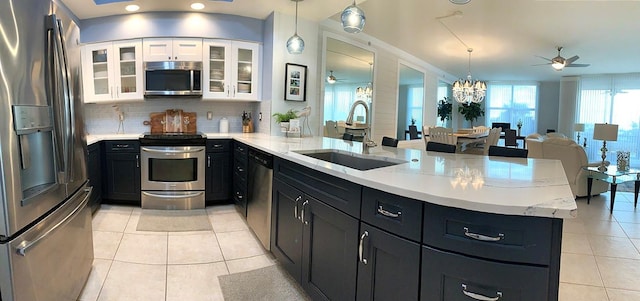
point(480, 226)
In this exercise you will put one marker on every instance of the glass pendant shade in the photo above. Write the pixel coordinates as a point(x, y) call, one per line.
point(353, 19)
point(295, 44)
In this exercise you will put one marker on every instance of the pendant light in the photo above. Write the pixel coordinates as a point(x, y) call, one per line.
point(469, 91)
point(295, 44)
point(352, 18)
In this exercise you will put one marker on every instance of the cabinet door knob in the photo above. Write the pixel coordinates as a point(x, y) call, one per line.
point(306, 202)
point(361, 247)
point(295, 208)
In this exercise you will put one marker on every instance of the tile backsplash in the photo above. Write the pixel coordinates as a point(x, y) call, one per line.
point(103, 118)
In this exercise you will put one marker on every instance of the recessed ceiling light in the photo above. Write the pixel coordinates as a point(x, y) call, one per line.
point(132, 7)
point(197, 5)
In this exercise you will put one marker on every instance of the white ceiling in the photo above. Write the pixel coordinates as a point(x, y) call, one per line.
point(506, 35)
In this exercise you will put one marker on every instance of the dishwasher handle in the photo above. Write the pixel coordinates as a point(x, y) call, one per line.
point(261, 158)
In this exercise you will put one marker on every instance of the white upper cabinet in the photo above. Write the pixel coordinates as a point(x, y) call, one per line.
point(112, 71)
point(168, 49)
point(230, 70)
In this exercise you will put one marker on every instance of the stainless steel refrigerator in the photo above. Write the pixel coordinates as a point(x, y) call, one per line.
point(46, 248)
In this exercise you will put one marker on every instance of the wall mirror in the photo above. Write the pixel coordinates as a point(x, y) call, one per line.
point(410, 100)
point(348, 77)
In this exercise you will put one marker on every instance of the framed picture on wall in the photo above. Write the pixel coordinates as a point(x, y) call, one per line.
point(295, 82)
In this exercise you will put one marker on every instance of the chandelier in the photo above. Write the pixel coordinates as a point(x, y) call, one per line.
point(469, 91)
point(365, 92)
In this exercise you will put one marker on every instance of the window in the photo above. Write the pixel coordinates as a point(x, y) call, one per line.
point(338, 99)
point(415, 99)
point(611, 99)
point(512, 103)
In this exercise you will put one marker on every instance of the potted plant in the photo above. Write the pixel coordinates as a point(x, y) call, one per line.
point(444, 109)
point(471, 111)
point(283, 119)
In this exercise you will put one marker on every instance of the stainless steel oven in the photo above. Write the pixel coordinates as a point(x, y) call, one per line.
point(173, 174)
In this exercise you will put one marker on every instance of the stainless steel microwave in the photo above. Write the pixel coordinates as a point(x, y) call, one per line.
point(172, 79)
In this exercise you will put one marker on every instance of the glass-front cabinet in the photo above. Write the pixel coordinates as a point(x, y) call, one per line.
point(231, 70)
point(112, 71)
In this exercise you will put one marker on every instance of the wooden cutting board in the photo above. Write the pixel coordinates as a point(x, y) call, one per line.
point(172, 121)
point(189, 122)
point(156, 122)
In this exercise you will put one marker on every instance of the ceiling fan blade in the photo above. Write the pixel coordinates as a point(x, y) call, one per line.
point(578, 65)
point(541, 64)
point(544, 58)
point(572, 59)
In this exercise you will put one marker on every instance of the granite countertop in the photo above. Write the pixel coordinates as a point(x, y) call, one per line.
point(512, 186)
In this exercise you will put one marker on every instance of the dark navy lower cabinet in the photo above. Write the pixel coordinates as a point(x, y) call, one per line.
point(454, 277)
point(388, 266)
point(397, 248)
point(122, 162)
point(315, 243)
point(218, 170)
point(286, 228)
point(328, 249)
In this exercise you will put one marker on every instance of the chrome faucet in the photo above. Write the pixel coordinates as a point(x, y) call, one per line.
point(367, 142)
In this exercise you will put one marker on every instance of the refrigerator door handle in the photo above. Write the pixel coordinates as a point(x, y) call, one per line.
point(52, 89)
point(24, 247)
point(63, 108)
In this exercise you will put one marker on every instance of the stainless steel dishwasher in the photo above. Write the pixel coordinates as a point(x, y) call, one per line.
point(260, 179)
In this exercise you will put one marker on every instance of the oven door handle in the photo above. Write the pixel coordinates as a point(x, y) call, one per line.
point(173, 196)
point(166, 151)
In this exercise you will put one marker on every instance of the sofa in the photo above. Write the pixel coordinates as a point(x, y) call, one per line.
point(573, 158)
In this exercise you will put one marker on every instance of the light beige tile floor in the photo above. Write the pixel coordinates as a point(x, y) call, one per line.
point(154, 266)
point(600, 251)
point(600, 255)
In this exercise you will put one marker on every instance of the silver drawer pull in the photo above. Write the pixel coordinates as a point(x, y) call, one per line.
point(482, 237)
point(388, 213)
point(477, 296)
point(361, 247)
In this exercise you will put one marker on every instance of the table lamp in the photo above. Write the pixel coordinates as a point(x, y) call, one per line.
point(605, 132)
point(578, 127)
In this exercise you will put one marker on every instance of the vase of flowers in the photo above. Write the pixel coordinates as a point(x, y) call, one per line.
point(519, 125)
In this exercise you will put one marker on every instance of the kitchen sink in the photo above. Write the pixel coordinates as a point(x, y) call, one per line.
point(351, 160)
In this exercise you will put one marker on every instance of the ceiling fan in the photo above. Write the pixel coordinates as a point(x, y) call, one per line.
point(558, 63)
point(331, 79)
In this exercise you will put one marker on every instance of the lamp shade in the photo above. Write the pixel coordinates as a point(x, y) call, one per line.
point(605, 131)
point(578, 127)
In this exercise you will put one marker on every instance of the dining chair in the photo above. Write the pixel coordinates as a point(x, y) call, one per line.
point(413, 132)
point(331, 129)
point(442, 135)
point(483, 149)
point(510, 138)
point(347, 136)
point(440, 147)
point(388, 141)
point(511, 152)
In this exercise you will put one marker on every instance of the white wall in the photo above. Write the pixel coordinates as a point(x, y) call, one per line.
point(567, 107)
point(283, 29)
point(171, 24)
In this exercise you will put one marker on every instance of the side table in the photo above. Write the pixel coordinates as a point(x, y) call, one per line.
point(614, 177)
